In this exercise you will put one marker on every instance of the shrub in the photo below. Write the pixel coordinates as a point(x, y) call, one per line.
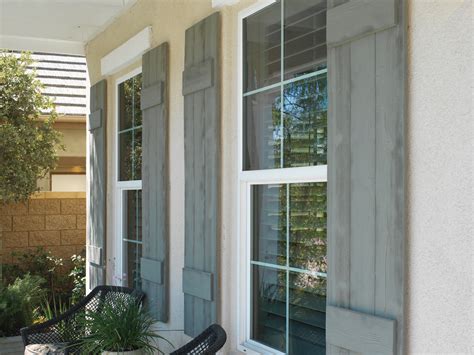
point(78, 275)
point(40, 262)
point(18, 303)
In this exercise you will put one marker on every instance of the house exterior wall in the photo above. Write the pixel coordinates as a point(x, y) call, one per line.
point(440, 178)
point(436, 291)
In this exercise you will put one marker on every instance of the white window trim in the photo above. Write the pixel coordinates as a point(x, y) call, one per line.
point(246, 179)
point(126, 53)
point(119, 188)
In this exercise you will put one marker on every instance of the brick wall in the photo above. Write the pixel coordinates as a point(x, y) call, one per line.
point(55, 221)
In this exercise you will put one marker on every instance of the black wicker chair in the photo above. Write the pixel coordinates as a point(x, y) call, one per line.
point(65, 328)
point(208, 342)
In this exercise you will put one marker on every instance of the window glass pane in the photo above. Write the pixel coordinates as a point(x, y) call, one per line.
point(308, 248)
point(125, 154)
point(125, 104)
point(305, 36)
point(262, 130)
point(137, 154)
point(262, 51)
point(132, 209)
point(129, 103)
point(305, 121)
point(269, 223)
point(289, 220)
point(133, 254)
point(269, 307)
point(307, 311)
point(130, 120)
point(132, 236)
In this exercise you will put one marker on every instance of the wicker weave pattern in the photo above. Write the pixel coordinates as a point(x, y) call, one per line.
point(65, 328)
point(207, 343)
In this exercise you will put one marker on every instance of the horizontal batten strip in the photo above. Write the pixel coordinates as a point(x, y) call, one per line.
point(358, 18)
point(360, 332)
point(198, 283)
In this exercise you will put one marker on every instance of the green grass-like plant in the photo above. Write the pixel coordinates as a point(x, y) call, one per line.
point(122, 325)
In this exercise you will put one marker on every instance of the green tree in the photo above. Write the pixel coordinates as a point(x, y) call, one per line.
point(28, 141)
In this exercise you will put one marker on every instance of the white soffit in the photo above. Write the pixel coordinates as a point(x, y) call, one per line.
point(56, 26)
point(126, 53)
point(221, 3)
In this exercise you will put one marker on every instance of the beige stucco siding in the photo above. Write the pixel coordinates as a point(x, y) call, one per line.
point(439, 151)
point(440, 178)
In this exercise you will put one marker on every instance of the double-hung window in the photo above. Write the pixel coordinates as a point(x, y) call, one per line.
point(129, 184)
point(282, 175)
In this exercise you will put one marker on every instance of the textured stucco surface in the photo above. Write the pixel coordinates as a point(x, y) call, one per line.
point(440, 178)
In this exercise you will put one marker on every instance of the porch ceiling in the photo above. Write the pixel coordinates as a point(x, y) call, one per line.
point(58, 26)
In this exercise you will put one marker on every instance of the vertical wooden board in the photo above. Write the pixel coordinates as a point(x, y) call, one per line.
point(155, 184)
point(339, 193)
point(390, 178)
point(363, 174)
point(97, 182)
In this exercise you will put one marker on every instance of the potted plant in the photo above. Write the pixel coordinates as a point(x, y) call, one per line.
point(124, 328)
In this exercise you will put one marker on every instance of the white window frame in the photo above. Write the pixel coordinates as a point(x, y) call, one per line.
point(119, 188)
point(247, 179)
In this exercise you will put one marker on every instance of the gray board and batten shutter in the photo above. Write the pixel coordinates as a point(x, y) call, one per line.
point(97, 184)
point(366, 174)
point(155, 181)
point(201, 90)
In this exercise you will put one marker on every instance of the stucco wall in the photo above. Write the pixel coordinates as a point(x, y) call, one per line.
point(440, 177)
point(439, 259)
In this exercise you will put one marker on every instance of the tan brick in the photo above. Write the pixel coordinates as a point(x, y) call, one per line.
point(5, 223)
point(15, 239)
point(73, 206)
point(44, 238)
point(28, 223)
point(14, 209)
point(81, 221)
point(59, 222)
point(44, 206)
point(73, 237)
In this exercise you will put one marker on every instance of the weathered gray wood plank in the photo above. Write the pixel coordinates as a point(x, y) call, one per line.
point(363, 174)
point(339, 180)
point(152, 96)
point(202, 140)
point(390, 180)
point(155, 179)
point(360, 332)
point(358, 18)
point(95, 119)
point(97, 184)
point(151, 270)
point(198, 77)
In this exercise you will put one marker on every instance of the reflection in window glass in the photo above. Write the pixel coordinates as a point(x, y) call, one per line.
point(305, 122)
point(130, 121)
point(289, 266)
point(132, 236)
point(305, 37)
point(262, 49)
point(263, 130)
